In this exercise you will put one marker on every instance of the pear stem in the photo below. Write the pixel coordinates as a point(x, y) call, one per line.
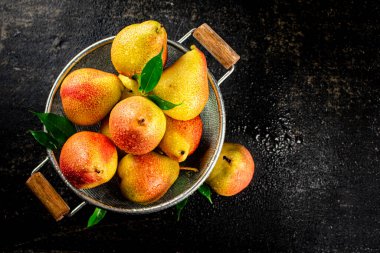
point(227, 159)
point(189, 169)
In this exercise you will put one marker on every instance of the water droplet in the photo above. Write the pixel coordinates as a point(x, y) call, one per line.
point(257, 137)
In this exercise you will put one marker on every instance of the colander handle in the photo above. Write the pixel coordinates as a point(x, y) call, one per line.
point(218, 48)
point(48, 196)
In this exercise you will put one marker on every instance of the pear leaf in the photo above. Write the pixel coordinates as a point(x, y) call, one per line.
point(179, 207)
point(163, 104)
point(206, 192)
point(151, 74)
point(44, 139)
point(96, 217)
point(57, 126)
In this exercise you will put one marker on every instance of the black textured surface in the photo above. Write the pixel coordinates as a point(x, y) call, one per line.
point(304, 99)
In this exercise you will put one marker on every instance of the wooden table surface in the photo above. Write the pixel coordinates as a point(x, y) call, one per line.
point(304, 99)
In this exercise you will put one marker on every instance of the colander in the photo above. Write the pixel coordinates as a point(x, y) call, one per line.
point(108, 196)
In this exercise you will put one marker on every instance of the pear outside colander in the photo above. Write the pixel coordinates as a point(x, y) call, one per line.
point(108, 195)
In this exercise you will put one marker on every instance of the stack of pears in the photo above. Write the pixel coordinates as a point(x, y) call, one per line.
point(150, 140)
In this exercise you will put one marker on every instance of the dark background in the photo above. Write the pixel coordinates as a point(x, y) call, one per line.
point(304, 100)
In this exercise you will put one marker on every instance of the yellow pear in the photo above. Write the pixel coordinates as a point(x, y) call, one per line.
point(181, 138)
point(131, 87)
point(233, 171)
point(105, 128)
point(146, 178)
point(185, 83)
point(136, 44)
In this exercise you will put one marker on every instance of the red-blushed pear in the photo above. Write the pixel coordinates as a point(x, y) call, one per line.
point(88, 159)
point(88, 95)
point(105, 129)
point(233, 171)
point(146, 178)
point(181, 138)
point(137, 125)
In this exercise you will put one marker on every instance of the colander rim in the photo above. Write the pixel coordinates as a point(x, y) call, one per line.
point(153, 207)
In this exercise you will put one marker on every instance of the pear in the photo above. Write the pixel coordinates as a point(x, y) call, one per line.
point(136, 44)
point(88, 95)
point(88, 159)
point(131, 87)
point(233, 171)
point(105, 128)
point(185, 83)
point(181, 138)
point(146, 178)
point(137, 125)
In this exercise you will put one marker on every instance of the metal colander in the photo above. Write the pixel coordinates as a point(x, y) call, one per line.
point(108, 196)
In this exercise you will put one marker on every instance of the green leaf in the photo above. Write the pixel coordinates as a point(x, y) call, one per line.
point(151, 74)
point(96, 217)
point(205, 191)
point(179, 207)
point(44, 139)
point(163, 104)
point(58, 126)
